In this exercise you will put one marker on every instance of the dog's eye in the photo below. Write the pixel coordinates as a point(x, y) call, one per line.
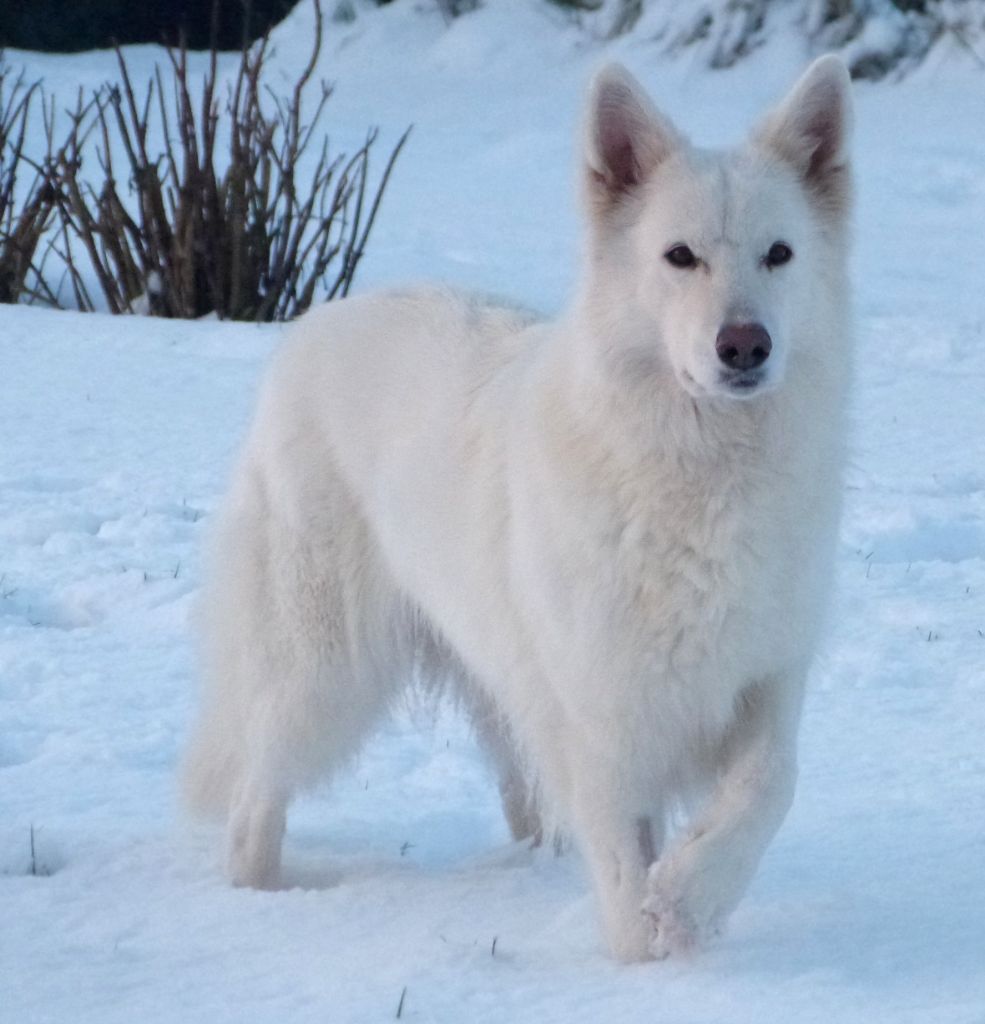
point(681, 257)
point(779, 254)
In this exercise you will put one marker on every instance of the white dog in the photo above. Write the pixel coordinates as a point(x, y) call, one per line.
point(614, 532)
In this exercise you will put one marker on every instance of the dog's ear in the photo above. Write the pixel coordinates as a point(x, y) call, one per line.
point(810, 131)
point(626, 137)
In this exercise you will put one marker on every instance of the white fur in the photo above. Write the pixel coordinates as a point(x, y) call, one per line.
point(622, 561)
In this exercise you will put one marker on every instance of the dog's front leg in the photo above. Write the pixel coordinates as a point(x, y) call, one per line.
point(620, 839)
point(697, 884)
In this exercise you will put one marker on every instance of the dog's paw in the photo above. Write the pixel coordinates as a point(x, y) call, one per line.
point(683, 909)
point(673, 931)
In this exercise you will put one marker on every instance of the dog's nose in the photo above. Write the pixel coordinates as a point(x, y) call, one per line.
point(743, 346)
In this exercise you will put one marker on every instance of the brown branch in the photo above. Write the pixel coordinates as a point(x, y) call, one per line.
point(240, 233)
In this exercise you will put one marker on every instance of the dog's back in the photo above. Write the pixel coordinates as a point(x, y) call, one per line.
point(367, 404)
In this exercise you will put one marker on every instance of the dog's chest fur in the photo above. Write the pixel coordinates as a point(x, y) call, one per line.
point(663, 569)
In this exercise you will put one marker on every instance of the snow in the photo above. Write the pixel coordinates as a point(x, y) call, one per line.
point(117, 436)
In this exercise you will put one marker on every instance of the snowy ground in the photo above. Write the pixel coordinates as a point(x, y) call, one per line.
point(117, 434)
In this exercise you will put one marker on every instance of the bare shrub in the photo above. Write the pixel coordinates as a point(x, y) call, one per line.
point(253, 240)
point(23, 218)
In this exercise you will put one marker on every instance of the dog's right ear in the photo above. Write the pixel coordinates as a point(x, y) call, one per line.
point(810, 131)
point(626, 137)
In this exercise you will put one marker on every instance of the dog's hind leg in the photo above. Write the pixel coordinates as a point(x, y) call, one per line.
point(314, 722)
point(257, 820)
point(518, 795)
point(301, 635)
point(519, 800)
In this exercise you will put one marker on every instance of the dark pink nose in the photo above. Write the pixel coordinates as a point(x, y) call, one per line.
point(743, 346)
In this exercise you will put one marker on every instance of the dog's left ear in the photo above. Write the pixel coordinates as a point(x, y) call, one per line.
point(810, 131)
point(626, 137)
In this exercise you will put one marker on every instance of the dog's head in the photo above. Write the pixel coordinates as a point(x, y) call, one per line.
point(717, 261)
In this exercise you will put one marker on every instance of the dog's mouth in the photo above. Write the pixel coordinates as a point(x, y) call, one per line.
point(742, 382)
point(742, 385)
